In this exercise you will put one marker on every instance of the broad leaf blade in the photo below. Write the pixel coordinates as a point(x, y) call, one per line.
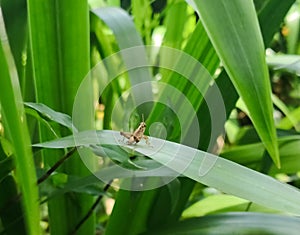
point(203, 167)
point(61, 118)
point(15, 125)
point(234, 31)
point(235, 223)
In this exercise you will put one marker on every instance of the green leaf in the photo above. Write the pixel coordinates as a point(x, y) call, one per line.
point(15, 17)
point(143, 20)
point(127, 37)
point(15, 127)
point(289, 147)
point(70, 184)
point(234, 32)
point(286, 122)
point(290, 63)
point(200, 166)
point(6, 166)
point(222, 203)
point(6, 146)
point(275, 8)
point(175, 21)
point(292, 24)
point(60, 54)
point(234, 223)
point(11, 213)
point(284, 109)
point(61, 118)
point(213, 204)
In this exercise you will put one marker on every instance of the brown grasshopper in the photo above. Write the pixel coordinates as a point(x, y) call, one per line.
point(137, 135)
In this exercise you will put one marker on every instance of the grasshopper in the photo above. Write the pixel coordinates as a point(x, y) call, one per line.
point(137, 135)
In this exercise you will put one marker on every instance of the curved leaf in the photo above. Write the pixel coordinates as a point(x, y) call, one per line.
point(234, 31)
point(290, 63)
point(198, 165)
point(235, 223)
point(15, 126)
point(61, 118)
point(127, 36)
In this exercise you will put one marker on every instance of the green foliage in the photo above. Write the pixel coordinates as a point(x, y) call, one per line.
point(189, 69)
point(16, 131)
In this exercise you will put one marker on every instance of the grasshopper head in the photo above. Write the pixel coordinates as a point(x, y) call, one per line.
point(143, 124)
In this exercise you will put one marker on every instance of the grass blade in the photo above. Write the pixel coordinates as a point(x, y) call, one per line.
point(235, 34)
point(234, 223)
point(208, 169)
point(14, 120)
